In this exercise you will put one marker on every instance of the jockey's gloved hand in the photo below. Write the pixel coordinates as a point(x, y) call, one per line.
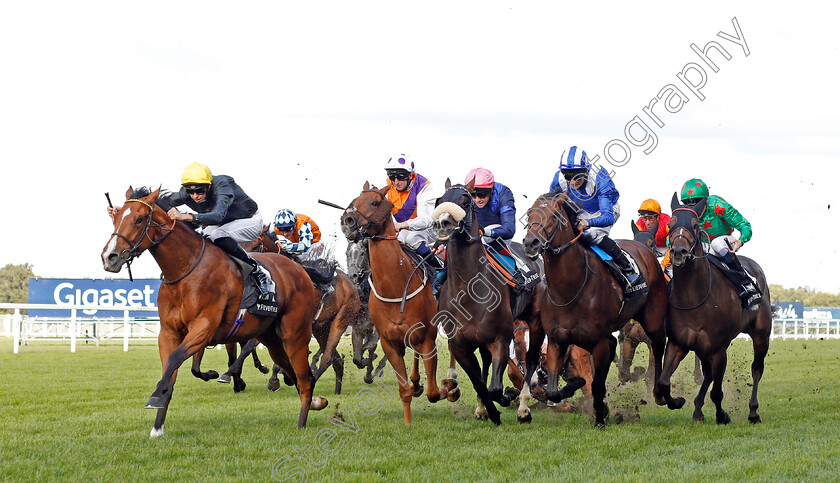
point(487, 232)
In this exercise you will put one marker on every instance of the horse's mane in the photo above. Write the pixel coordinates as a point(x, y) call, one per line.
point(571, 211)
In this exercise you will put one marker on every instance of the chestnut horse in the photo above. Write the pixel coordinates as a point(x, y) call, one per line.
point(584, 303)
point(400, 321)
point(705, 315)
point(475, 301)
point(338, 310)
point(199, 299)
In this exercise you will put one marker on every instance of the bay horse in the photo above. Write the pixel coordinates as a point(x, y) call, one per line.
point(632, 335)
point(476, 301)
point(400, 322)
point(584, 303)
point(705, 315)
point(338, 310)
point(199, 298)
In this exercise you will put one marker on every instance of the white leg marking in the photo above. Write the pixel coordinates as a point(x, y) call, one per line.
point(156, 433)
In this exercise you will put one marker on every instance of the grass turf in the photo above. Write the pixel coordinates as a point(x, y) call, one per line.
point(80, 417)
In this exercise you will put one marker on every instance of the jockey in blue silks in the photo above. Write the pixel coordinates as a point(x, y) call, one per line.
point(494, 210)
point(596, 199)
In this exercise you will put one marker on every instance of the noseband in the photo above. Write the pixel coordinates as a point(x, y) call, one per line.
point(364, 231)
point(680, 233)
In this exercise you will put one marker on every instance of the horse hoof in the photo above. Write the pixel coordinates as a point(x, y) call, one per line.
point(454, 395)
point(239, 387)
point(156, 433)
point(418, 390)
point(263, 368)
point(452, 373)
point(480, 416)
point(368, 378)
point(755, 419)
point(288, 380)
point(698, 417)
point(600, 425)
point(224, 378)
point(524, 419)
point(660, 401)
point(155, 402)
point(677, 403)
point(273, 385)
point(211, 374)
point(318, 403)
point(723, 417)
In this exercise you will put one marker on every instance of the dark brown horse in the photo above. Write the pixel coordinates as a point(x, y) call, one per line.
point(200, 294)
point(632, 335)
point(400, 322)
point(584, 303)
point(705, 315)
point(475, 301)
point(337, 311)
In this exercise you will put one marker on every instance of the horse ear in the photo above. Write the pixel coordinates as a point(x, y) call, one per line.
point(675, 202)
point(366, 186)
point(447, 184)
point(700, 207)
point(128, 192)
point(471, 185)
point(634, 228)
point(654, 228)
point(154, 196)
point(384, 190)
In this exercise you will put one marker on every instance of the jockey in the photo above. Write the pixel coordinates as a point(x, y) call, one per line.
point(295, 233)
point(650, 213)
point(718, 221)
point(226, 214)
point(494, 206)
point(413, 199)
point(596, 201)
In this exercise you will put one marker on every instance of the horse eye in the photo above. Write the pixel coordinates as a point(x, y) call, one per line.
point(139, 220)
point(375, 203)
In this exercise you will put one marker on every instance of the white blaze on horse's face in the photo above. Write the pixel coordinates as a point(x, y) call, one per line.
point(112, 243)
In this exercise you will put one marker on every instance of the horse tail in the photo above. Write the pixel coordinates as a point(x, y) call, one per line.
point(320, 271)
point(775, 307)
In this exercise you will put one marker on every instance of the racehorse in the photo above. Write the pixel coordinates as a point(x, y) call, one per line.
point(632, 335)
point(199, 298)
point(338, 310)
point(402, 307)
point(584, 303)
point(705, 315)
point(475, 301)
point(364, 336)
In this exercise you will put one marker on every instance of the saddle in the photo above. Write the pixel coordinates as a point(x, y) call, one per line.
point(256, 304)
point(630, 291)
point(749, 298)
point(509, 261)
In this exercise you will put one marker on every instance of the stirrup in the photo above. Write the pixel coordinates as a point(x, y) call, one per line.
point(262, 277)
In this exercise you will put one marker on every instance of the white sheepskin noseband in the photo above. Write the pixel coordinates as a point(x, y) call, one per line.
point(456, 212)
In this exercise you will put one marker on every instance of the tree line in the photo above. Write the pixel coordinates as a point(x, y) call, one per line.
point(14, 288)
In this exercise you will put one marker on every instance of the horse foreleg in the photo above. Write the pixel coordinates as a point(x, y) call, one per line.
point(192, 343)
point(602, 354)
point(196, 367)
point(470, 364)
point(704, 386)
point(578, 363)
point(761, 343)
point(394, 356)
point(532, 360)
point(167, 343)
point(417, 386)
point(718, 369)
point(625, 358)
point(430, 360)
point(662, 392)
point(499, 353)
point(257, 363)
point(295, 332)
point(452, 373)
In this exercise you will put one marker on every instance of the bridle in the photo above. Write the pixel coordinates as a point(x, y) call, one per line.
point(680, 233)
point(546, 245)
point(129, 254)
point(364, 231)
point(465, 225)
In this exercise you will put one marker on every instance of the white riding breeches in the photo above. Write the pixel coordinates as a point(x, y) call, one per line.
point(242, 230)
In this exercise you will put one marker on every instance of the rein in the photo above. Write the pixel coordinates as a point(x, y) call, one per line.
point(197, 261)
point(580, 290)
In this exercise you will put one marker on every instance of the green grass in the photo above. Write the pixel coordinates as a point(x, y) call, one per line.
point(80, 417)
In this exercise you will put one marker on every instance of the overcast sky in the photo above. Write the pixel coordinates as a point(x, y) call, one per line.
point(301, 101)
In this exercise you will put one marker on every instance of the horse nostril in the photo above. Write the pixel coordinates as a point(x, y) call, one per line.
point(349, 221)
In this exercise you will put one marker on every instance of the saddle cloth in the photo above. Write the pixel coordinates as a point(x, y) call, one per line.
point(635, 290)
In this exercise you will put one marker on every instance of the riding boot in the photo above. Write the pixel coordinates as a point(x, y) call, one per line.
point(259, 272)
point(437, 284)
point(611, 248)
point(747, 289)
